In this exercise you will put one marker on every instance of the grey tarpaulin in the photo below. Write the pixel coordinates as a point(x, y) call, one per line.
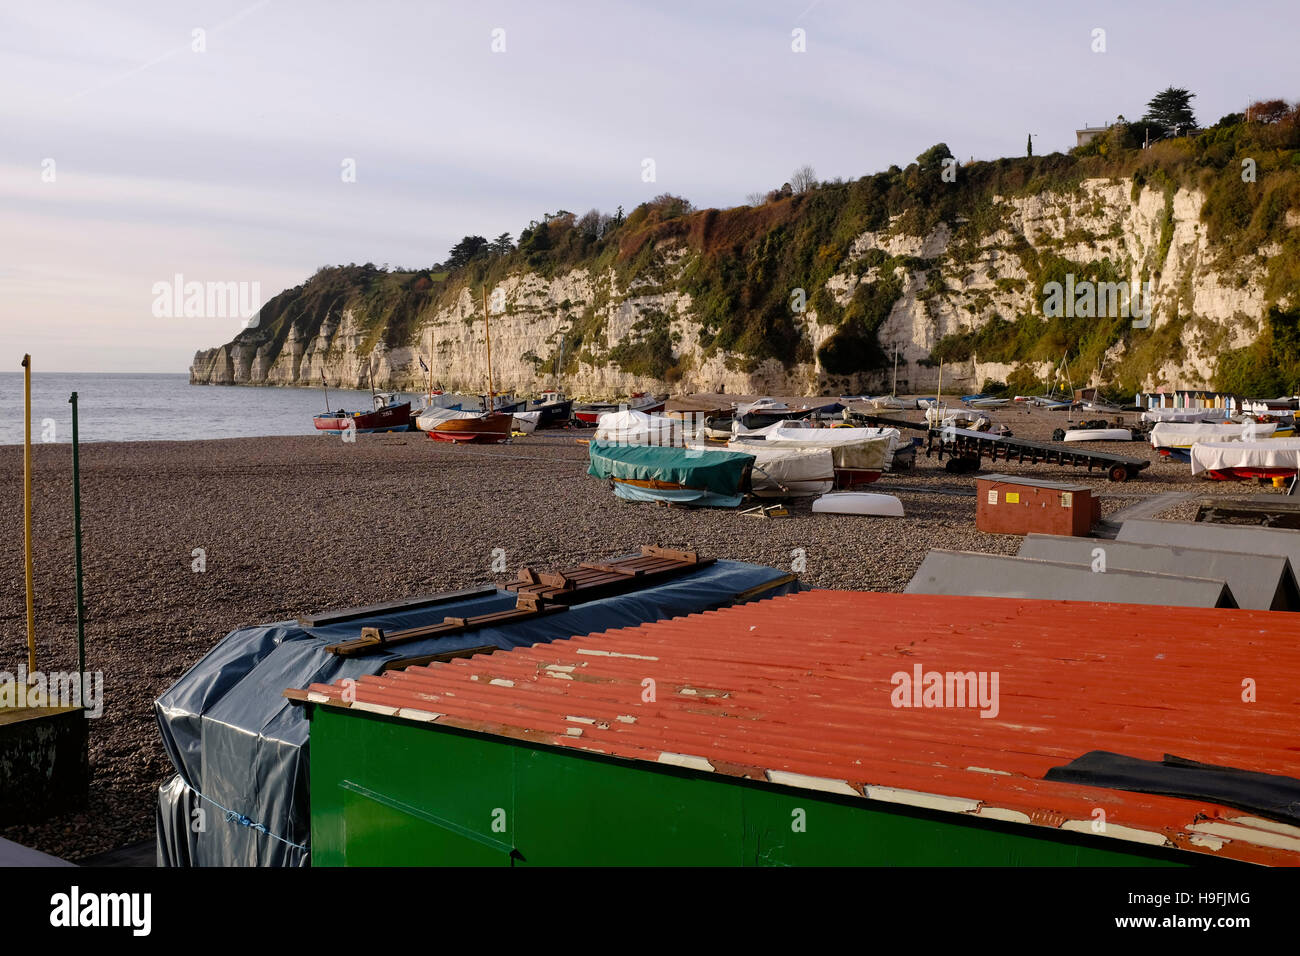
point(240, 748)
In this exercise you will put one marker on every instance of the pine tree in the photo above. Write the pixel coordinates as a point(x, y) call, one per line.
point(1171, 110)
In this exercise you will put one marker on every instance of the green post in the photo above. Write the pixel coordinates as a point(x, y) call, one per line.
point(76, 527)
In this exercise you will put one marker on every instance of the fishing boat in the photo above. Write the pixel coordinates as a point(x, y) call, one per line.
point(684, 476)
point(1175, 439)
point(1275, 458)
point(462, 427)
point(553, 408)
point(394, 417)
point(589, 414)
point(388, 414)
point(455, 425)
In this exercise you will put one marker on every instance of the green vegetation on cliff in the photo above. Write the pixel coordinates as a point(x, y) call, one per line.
point(743, 267)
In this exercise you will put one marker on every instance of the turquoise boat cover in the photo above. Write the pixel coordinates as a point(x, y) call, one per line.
point(719, 473)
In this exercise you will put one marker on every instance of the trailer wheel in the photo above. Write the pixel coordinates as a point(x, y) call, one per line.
point(1119, 473)
point(1058, 435)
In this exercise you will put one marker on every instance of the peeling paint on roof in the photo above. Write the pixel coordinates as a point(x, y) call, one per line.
point(808, 698)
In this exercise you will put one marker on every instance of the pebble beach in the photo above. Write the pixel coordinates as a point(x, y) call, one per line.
point(185, 541)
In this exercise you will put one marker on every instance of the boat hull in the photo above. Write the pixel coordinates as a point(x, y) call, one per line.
point(393, 418)
point(553, 413)
point(481, 430)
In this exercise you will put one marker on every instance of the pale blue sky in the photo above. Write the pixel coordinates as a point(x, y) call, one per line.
point(224, 165)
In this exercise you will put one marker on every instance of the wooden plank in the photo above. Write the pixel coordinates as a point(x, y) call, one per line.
point(363, 645)
point(421, 660)
point(343, 615)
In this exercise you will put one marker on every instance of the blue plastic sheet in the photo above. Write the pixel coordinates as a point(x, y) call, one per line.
point(240, 795)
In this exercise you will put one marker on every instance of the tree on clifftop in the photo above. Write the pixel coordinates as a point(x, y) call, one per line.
point(468, 249)
point(1171, 110)
point(933, 157)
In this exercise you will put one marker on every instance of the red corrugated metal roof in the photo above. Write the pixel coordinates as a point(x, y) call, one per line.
point(798, 690)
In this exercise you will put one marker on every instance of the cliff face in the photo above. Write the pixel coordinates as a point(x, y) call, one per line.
point(611, 330)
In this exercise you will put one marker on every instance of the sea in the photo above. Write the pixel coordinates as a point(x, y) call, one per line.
point(162, 407)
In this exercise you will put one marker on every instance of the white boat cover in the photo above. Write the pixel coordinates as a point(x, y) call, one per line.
point(1187, 434)
point(630, 427)
point(866, 445)
point(1184, 415)
point(860, 449)
point(526, 422)
point(1099, 434)
point(859, 503)
point(785, 472)
point(1221, 456)
point(429, 419)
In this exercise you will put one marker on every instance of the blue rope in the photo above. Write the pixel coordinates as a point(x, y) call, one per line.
point(234, 816)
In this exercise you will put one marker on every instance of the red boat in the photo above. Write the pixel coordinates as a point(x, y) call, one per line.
point(640, 402)
point(389, 418)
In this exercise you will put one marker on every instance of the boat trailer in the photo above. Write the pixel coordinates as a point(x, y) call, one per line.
point(965, 448)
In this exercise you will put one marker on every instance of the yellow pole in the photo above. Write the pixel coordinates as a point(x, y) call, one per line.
point(27, 513)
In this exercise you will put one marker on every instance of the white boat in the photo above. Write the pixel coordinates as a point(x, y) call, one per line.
point(785, 472)
point(526, 422)
point(630, 427)
point(1276, 457)
point(858, 503)
point(1183, 435)
point(1184, 415)
point(988, 402)
point(804, 435)
point(430, 418)
point(1098, 434)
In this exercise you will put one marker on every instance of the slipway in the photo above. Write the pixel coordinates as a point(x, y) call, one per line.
point(965, 448)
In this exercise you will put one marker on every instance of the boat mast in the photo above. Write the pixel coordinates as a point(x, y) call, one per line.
point(326, 386)
point(487, 328)
point(893, 390)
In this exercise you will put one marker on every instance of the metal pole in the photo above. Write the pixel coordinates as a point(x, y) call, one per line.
point(76, 526)
point(27, 514)
point(487, 329)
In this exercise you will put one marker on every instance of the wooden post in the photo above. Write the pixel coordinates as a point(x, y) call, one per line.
point(27, 514)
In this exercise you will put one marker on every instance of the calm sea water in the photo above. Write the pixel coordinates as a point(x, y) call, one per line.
point(136, 407)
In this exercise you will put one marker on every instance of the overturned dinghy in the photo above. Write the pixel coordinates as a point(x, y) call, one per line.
point(859, 503)
point(1098, 434)
point(688, 476)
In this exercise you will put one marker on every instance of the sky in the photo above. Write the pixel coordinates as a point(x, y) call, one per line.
point(289, 134)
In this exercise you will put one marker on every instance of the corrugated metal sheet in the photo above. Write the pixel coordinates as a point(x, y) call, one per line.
point(797, 691)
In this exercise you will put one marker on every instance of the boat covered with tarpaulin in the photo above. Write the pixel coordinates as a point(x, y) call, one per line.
point(689, 476)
